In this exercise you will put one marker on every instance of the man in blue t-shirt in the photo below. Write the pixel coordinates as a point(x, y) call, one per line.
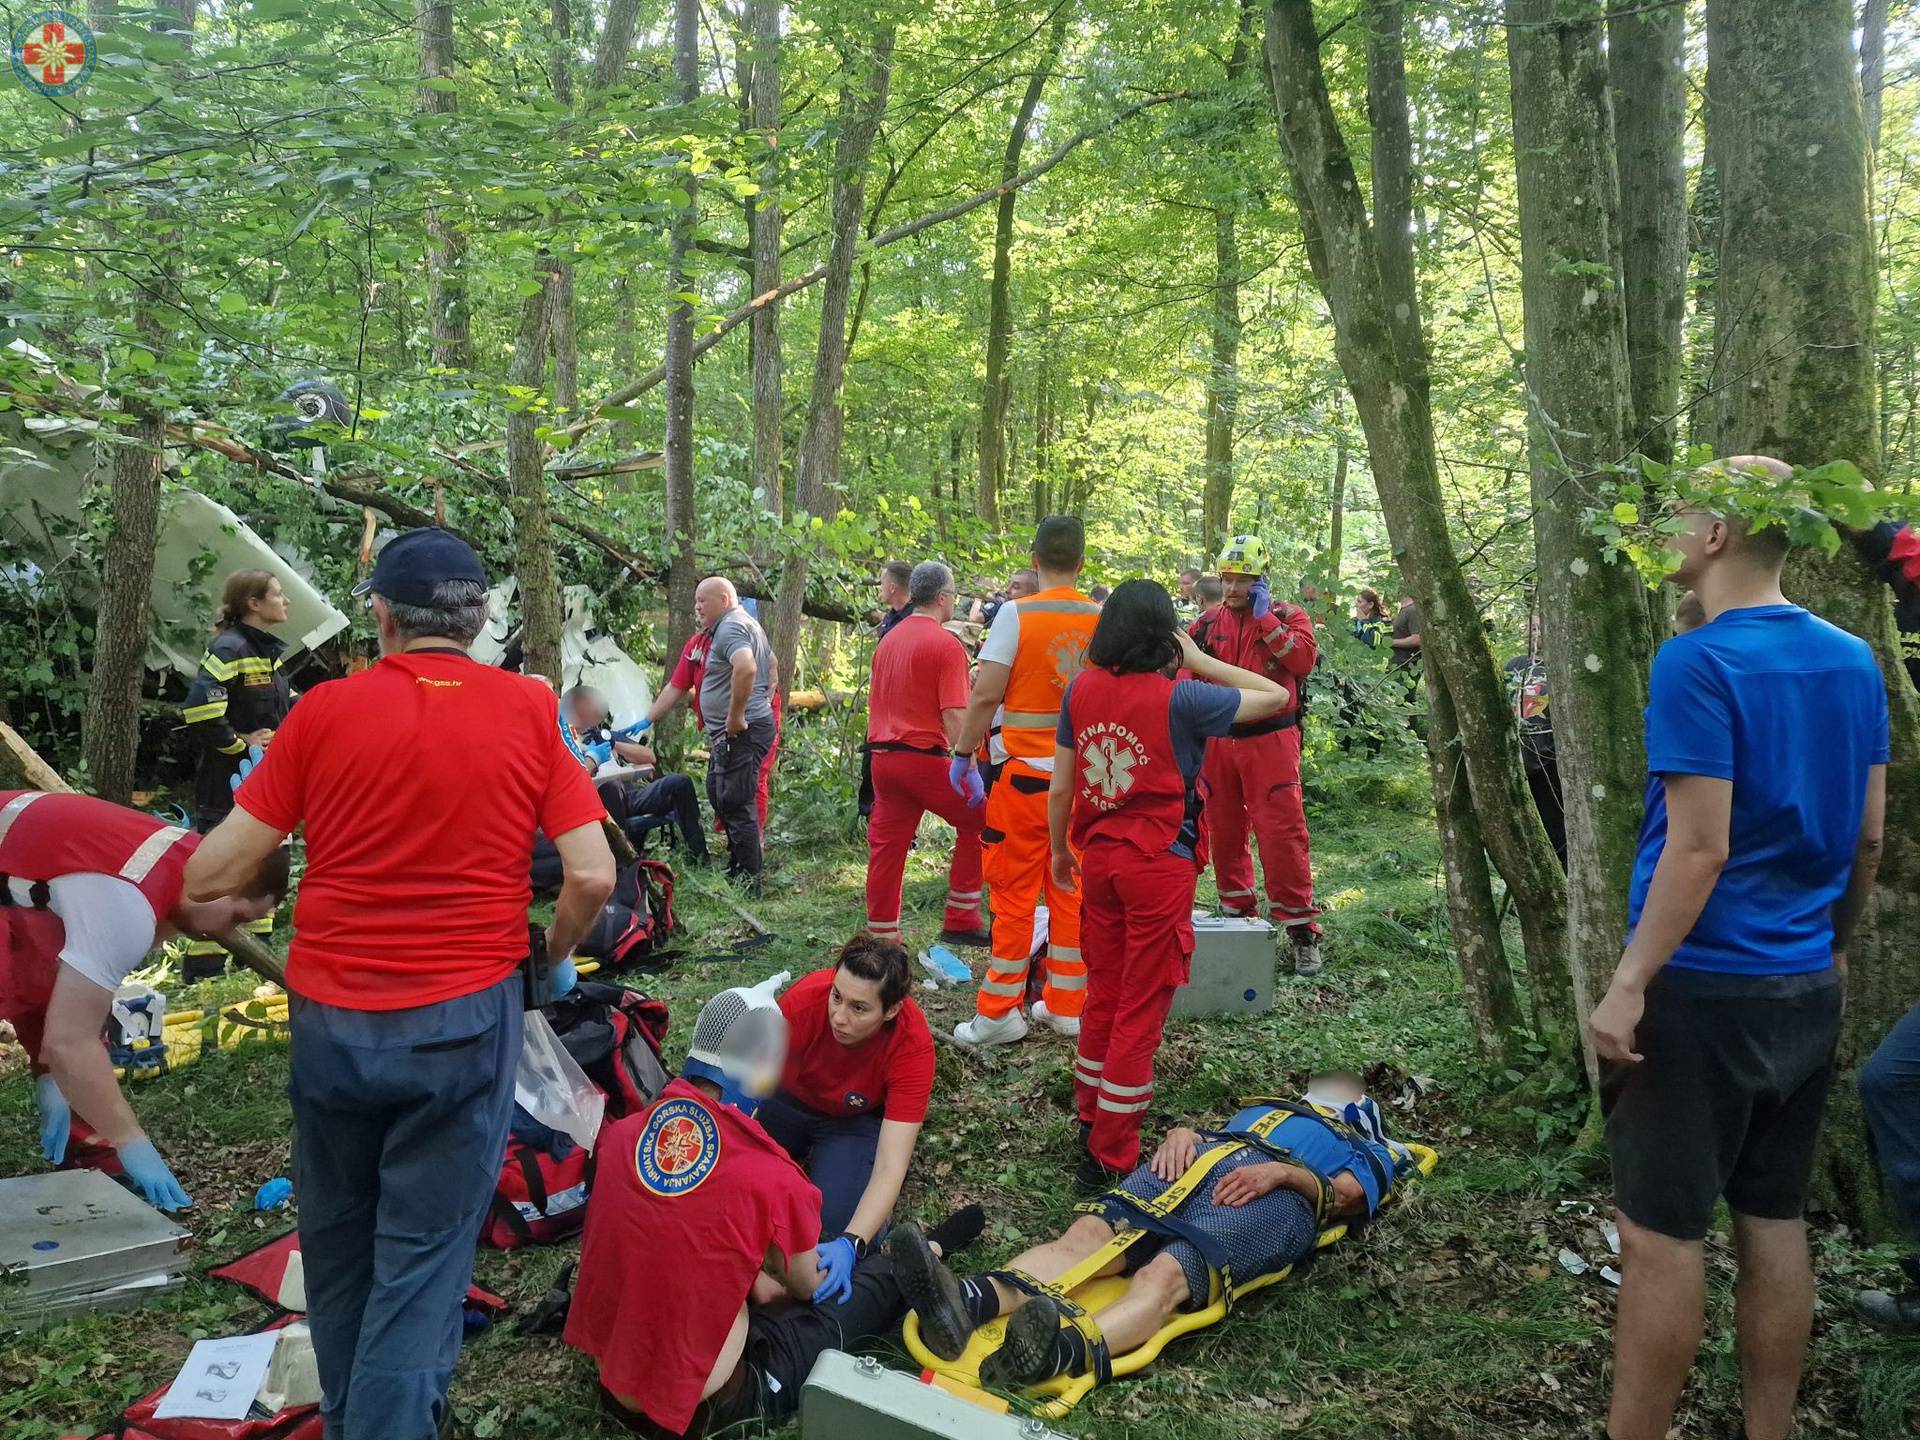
point(1766, 792)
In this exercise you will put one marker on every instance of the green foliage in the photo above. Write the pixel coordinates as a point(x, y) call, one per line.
point(1815, 505)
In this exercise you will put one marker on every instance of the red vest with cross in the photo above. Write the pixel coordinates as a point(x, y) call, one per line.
point(1127, 783)
point(45, 834)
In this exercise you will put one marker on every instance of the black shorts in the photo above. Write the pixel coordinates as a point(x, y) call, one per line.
point(1727, 1100)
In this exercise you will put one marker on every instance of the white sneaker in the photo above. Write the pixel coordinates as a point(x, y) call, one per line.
point(1067, 1025)
point(983, 1030)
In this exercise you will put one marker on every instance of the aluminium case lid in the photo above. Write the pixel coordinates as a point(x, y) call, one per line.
point(76, 1230)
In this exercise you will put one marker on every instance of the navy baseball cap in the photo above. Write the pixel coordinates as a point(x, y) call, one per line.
point(413, 565)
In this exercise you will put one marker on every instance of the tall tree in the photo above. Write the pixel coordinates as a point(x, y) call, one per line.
point(763, 117)
point(564, 336)
point(1580, 416)
point(994, 390)
point(1223, 374)
point(1386, 374)
point(110, 729)
point(1794, 320)
point(1873, 65)
point(1486, 977)
point(533, 558)
point(816, 478)
point(680, 517)
point(1646, 63)
point(449, 313)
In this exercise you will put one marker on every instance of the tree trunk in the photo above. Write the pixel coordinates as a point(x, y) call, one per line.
point(816, 484)
point(1873, 65)
point(1795, 312)
point(994, 392)
point(533, 559)
point(616, 40)
point(1337, 510)
point(1377, 341)
point(110, 730)
point(1223, 383)
point(1647, 62)
point(1580, 409)
point(449, 315)
point(1486, 979)
point(680, 520)
point(763, 116)
point(563, 333)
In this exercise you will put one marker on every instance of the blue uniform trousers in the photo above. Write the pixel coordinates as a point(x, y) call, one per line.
point(1890, 1091)
point(400, 1121)
point(836, 1151)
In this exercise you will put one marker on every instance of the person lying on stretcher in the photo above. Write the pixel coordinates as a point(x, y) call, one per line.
point(1285, 1172)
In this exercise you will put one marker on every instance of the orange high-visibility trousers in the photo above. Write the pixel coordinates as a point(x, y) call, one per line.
point(1018, 873)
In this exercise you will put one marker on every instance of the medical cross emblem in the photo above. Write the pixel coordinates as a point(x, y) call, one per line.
point(52, 52)
point(1107, 767)
point(678, 1148)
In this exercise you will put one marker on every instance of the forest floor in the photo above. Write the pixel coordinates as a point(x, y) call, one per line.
point(1451, 1319)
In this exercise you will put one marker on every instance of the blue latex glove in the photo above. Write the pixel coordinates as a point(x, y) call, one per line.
point(963, 778)
point(560, 980)
point(272, 1195)
point(837, 1259)
point(1261, 598)
point(151, 1176)
point(639, 727)
point(253, 757)
point(56, 1120)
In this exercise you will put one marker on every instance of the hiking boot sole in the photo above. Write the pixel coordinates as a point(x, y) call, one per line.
point(1026, 1357)
point(931, 1293)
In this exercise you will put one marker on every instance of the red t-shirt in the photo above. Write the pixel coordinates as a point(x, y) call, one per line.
point(689, 1196)
point(892, 1072)
point(693, 661)
point(918, 671)
point(420, 783)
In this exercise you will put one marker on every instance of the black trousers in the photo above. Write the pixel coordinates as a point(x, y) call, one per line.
point(783, 1341)
point(1543, 779)
point(733, 786)
point(673, 795)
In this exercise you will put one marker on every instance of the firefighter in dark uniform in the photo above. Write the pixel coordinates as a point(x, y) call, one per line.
point(238, 699)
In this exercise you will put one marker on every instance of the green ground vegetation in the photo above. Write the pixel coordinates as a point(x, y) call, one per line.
point(1451, 1320)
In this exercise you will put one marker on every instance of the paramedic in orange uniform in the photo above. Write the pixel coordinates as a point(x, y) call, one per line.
point(1037, 645)
point(1253, 776)
point(1124, 820)
point(914, 706)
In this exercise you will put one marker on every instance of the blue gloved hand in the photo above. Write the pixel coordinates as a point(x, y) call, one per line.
point(560, 980)
point(1261, 599)
point(963, 778)
point(253, 757)
point(836, 1258)
point(151, 1176)
point(56, 1120)
point(639, 727)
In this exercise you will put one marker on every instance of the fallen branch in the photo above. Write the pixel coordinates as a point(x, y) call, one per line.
point(759, 926)
point(903, 231)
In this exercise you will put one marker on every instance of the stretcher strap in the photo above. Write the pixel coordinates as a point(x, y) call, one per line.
point(1157, 1216)
point(1099, 1357)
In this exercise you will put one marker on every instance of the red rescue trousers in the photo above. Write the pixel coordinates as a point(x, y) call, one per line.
point(1137, 910)
point(1253, 784)
point(30, 943)
point(1019, 870)
point(905, 786)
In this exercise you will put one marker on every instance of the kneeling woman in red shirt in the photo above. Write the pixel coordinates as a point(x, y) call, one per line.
point(858, 1077)
point(1124, 817)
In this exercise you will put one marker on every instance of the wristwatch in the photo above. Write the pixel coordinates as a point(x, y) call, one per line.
point(859, 1245)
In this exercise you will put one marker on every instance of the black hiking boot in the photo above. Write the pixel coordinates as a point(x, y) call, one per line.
point(967, 939)
point(1031, 1351)
point(931, 1293)
point(1093, 1177)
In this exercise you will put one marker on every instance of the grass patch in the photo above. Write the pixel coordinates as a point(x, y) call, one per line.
point(1450, 1320)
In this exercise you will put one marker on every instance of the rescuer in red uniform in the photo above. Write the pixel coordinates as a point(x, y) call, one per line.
point(86, 888)
point(1128, 751)
point(1253, 777)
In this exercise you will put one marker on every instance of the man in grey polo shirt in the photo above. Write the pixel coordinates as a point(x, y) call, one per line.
point(736, 709)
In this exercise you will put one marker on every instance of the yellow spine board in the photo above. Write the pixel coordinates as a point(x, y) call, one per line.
point(1094, 1292)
